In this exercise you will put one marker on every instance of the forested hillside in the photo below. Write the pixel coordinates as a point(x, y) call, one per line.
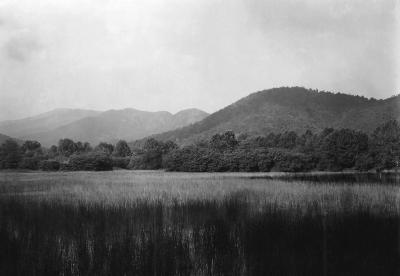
point(290, 109)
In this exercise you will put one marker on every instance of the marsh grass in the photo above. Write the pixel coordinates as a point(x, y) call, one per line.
point(155, 223)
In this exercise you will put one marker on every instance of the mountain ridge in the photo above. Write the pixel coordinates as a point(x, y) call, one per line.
point(97, 126)
point(44, 121)
point(273, 110)
point(290, 108)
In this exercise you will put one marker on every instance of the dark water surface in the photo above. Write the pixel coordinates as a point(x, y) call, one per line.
point(344, 178)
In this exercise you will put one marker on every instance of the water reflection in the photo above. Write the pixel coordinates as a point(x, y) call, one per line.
point(345, 178)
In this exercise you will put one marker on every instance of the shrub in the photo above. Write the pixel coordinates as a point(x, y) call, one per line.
point(365, 162)
point(122, 149)
point(120, 162)
point(66, 166)
point(29, 163)
point(10, 154)
point(265, 164)
point(95, 161)
point(292, 162)
point(49, 165)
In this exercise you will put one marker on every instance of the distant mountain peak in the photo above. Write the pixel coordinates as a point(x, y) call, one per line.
point(96, 126)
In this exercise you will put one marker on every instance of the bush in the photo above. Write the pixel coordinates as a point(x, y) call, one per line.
point(10, 155)
point(293, 162)
point(29, 163)
point(65, 166)
point(365, 162)
point(265, 164)
point(120, 162)
point(95, 161)
point(49, 165)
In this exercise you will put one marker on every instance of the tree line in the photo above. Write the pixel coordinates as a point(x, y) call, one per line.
point(67, 155)
point(328, 150)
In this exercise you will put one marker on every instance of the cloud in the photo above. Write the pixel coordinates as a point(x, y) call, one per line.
point(157, 55)
point(22, 47)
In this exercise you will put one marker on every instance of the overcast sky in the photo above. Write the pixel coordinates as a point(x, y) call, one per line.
point(172, 55)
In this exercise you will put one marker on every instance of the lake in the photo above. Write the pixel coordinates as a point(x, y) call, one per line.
point(161, 223)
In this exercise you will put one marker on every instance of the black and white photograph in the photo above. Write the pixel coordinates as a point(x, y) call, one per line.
point(200, 137)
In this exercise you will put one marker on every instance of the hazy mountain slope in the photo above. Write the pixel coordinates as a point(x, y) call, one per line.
point(44, 122)
point(187, 117)
point(296, 108)
point(128, 124)
point(3, 138)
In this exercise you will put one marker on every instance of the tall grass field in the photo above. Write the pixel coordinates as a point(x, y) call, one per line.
point(158, 223)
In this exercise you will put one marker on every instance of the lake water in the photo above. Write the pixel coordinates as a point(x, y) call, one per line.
point(347, 178)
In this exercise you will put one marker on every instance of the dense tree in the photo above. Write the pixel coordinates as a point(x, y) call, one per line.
point(328, 150)
point(385, 145)
point(307, 142)
point(79, 147)
point(122, 149)
point(105, 148)
point(120, 162)
point(49, 165)
point(94, 161)
point(30, 148)
point(32, 154)
point(66, 147)
point(223, 142)
point(169, 146)
point(288, 140)
point(29, 163)
point(10, 154)
point(340, 149)
point(87, 147)
point(53, 152)
point(150, 156)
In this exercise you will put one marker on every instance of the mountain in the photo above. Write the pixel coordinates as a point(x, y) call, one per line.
point(110, 126)
point(291, 109)
point(24, 128)
point(187, 117)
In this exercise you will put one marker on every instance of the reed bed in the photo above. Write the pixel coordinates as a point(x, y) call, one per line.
point(157, 223)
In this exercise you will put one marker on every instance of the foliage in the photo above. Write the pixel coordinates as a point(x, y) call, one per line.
point(49, 165)
point(10, 154)
point(53, 151)
point(122, 149)
point(223, 142)
point(385, 145)
point(29, 163)
point(94, 161)
point(67, 147)
point(150, 156)
point(31, 148)
point(340, 148)
point(331, 150)
point(120, 162)
point(328, 150)
point(105, 148)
